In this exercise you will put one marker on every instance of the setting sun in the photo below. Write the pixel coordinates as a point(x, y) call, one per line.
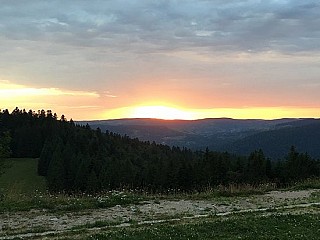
point(190, 68)
point(161, 112)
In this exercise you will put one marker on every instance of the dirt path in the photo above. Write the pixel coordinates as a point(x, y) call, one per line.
point(42, 223)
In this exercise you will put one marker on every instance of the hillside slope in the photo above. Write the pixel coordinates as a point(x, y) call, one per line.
point(275, 143)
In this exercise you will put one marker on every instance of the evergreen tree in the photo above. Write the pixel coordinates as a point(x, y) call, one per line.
point(78, 158)
point(82, 173)
point(5, 140)
point(56, 170)
point(256, 169)
point(92, 184)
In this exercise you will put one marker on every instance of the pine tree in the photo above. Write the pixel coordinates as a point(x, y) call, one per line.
point(5, 141)
point(92, 184)
point(83, 172)
point(56, 170)
point(256, 169)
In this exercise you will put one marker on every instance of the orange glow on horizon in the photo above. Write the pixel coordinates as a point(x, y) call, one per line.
point(170, 113)
point(86, 105)
point(161, 112)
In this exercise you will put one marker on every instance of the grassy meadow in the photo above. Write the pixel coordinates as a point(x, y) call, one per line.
point(247, 226)
point(20, 176)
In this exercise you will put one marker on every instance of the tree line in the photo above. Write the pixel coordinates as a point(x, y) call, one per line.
point(77, 158)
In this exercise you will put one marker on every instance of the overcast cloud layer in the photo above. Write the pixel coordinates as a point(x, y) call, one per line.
point(264, 50)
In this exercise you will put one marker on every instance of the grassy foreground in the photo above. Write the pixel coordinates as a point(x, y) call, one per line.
point(246, 226)
point(21, 189)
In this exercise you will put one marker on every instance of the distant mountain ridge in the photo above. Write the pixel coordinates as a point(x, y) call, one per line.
point(240, 136)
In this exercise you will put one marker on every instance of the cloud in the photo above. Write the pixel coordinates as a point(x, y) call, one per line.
point(161, 25)
point(60, 100)
point(116, 48)
point(8, 90)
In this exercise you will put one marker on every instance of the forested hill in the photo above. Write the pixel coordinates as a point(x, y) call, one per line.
point(276, 142)
point(76, 158)
point(239, 136)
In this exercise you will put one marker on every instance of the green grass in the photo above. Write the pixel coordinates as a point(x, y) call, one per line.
point(21, 189)
point(65, 203)
point(20, 176)
point(249, 226)
point(312, 183)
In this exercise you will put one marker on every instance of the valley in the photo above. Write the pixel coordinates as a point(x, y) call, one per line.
point(238, 136)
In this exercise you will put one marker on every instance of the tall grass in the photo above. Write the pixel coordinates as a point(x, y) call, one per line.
point(311, 183)
point(15, 201)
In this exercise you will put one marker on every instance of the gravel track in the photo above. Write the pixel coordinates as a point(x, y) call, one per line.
point(27, 224)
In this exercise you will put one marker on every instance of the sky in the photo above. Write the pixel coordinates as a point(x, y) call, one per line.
point(169, 59)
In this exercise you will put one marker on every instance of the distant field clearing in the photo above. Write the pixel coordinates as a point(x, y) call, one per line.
point(20, 176)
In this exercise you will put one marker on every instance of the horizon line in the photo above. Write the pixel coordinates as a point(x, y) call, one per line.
point(199, 119)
